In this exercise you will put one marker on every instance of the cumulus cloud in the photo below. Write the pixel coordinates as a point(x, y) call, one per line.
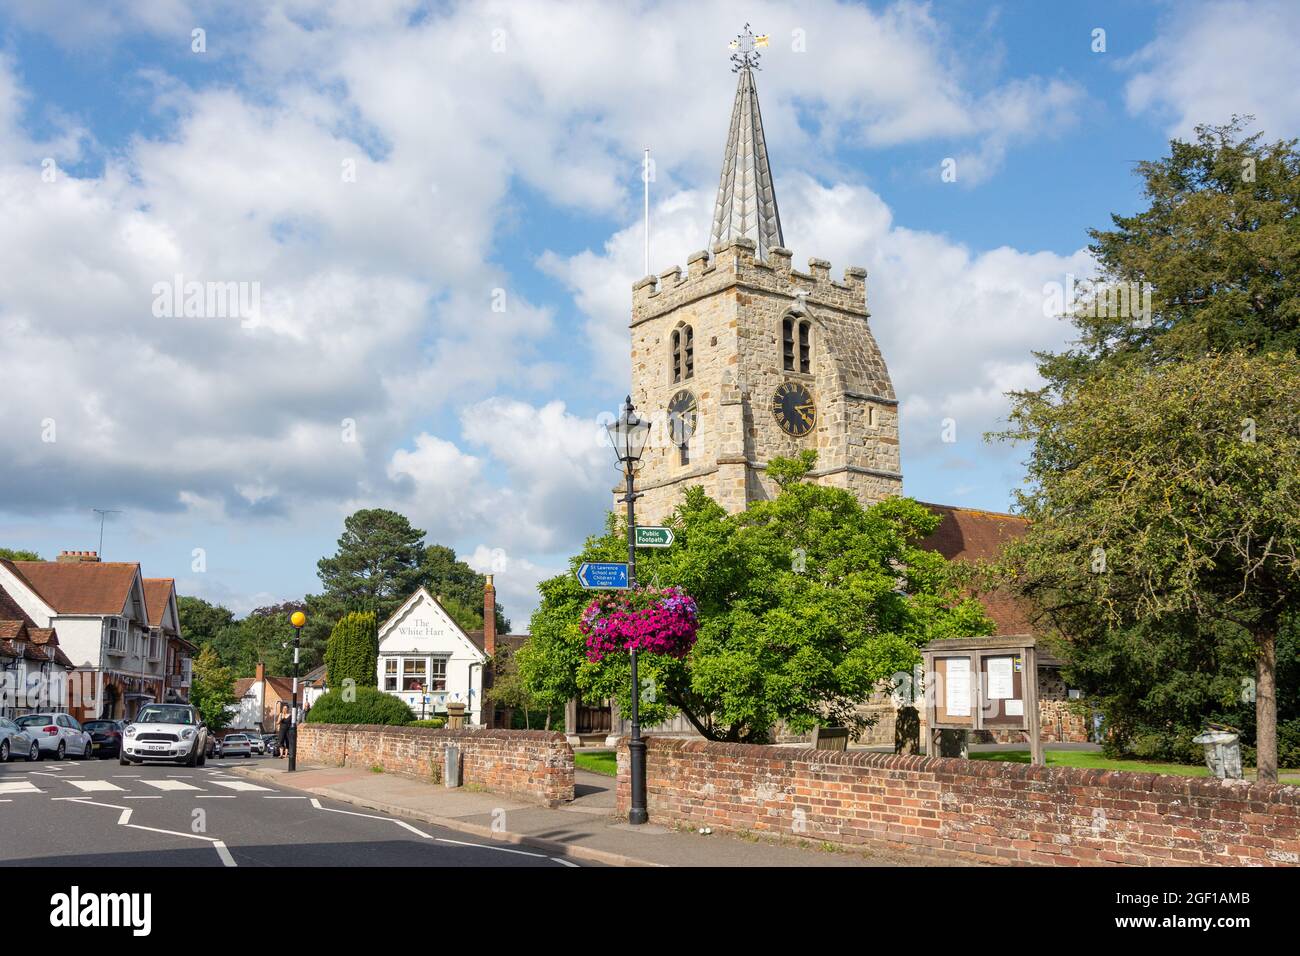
point(1169, 76)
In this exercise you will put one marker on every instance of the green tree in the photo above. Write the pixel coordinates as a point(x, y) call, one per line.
point(509, 689)
point(200, 620)
point(377, 564)
point(1164, 537)
point(460, 586)
point(807, 602)
point(353, 651)
point(10, 554)
point(1217, 247)
point(212, 689)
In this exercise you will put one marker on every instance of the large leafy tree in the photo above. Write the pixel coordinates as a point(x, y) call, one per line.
point(200, 620)
point(377, 564)
point(807, 602)
point(1218, 249)
point(212, 689)
point(11, 554)
point(1165, 529)
point(460, 586)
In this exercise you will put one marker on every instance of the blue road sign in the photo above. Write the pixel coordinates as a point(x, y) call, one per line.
point(603, 574)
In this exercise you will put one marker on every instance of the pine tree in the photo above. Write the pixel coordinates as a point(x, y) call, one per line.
point(353, 651)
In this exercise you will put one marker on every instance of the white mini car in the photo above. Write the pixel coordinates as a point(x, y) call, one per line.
point(170, 732)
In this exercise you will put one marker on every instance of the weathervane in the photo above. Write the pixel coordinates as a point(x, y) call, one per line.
point(746, 46)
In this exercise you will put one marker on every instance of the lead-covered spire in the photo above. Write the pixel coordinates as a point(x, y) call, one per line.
point(746, 206)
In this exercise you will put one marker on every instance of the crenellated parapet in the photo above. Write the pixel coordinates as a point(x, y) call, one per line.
point(736, 263)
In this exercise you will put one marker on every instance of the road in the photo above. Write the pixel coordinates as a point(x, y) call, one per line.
point(99, 813)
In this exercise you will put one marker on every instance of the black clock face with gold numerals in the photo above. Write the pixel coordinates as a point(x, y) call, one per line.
point(794, 409)
point(681, 417)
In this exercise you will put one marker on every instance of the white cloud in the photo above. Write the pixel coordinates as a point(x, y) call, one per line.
point(1213, 60)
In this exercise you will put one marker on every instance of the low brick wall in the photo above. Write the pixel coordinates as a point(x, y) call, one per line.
point(969, 809)
point(535, 764)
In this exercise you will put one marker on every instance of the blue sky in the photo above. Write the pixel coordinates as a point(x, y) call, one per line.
point(494, 154)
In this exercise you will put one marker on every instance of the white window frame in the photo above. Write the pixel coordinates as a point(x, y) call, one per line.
point(115, 633)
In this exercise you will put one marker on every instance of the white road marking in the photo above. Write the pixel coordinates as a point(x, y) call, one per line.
point(238, 785)
point(142, 798)
point(18, 786)
point(169, 785)
point(563, 862)
point(352, 813)
point(283, 798)
point(42, 773)
point(123, 821)
point(489, 846)
point(215, 796)
point(87, 786)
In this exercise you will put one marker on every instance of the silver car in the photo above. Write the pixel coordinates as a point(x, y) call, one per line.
point(57, 734)
point(236, 745)
point(17, 741)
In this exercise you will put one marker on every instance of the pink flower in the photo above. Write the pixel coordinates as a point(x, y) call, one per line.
point(657, 621)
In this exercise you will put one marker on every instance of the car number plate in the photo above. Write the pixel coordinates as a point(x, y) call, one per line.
point(156, 747)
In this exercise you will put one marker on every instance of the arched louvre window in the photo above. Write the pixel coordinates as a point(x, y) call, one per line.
point(683, 346)
point(805, 346)
point(787, 344)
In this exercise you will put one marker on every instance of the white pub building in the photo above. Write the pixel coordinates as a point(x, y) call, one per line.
point(428, 661)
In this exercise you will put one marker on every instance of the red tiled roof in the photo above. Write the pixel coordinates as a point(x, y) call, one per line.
point(157, 591)
point(967, 534)
point(10, 610)
point(80, 587)
point(243, 684)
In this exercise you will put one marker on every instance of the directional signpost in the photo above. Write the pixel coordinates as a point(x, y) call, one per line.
point(603, 574)
point(654, 537)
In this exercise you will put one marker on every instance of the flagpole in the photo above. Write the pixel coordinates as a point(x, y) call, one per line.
point(645, 178)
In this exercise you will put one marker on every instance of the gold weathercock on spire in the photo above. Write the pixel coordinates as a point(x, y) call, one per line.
point(746, 205)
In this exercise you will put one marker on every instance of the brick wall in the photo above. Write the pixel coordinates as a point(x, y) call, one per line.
point(534, 764)
point(981, 810)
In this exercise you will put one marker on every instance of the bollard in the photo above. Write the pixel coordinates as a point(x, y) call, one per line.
point(451, 766)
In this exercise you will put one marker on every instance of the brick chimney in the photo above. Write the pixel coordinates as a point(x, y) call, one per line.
point(489, 618)
point(260, 675)
point(78, 557)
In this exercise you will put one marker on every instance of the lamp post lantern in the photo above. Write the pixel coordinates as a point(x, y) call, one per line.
point(628, 434)
point(297, 619)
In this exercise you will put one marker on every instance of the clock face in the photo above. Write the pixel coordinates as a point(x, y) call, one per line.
point(794, 409)
point(681, 417)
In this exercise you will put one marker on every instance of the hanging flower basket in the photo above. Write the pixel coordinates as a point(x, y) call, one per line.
point(656, 620)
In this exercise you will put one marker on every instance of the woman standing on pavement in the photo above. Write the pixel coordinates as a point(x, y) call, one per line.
point(285, 725)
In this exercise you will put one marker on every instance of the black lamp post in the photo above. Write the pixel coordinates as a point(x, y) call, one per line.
point(628, 435)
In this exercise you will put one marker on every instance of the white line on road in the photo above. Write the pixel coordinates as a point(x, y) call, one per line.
point(169, 785)
point(142, 798)
point(239, 785)
point(270, 797)
point(216, 796)
point(352, 813)
point(489, 846)
point(18, 786)
point(563, 862)
point(87, 786)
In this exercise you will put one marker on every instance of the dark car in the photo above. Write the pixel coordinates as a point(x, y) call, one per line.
point(105, 737)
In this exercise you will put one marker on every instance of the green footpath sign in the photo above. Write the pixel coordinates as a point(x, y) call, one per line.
point(654, 537)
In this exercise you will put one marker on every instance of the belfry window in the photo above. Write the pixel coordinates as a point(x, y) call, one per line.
point(684, 452)
point(787, 344)
point(683, 345)
point(805, 347)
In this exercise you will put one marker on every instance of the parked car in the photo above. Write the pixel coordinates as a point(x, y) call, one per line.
point(58, 734)
point(272, 743)
point(105, 737)
point(171, 732)
point(236, 745)
point(256, 744)
point(214, 746)
point(17, 741)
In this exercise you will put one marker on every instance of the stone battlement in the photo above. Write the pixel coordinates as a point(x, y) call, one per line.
point(735, 264)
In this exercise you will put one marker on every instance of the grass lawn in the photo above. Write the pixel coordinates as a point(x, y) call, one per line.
point(602, 761)
point(1091, 760)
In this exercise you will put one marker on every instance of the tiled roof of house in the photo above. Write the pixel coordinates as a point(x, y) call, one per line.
point(243, 685)
point(9, 609)
point(513, 641)
point(157, 592)
point(79, 587)
point(968, 534)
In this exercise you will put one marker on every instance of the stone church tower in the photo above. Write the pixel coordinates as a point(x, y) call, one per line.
point(743, 357)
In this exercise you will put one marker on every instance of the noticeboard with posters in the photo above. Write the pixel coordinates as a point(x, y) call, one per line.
point(983, 683)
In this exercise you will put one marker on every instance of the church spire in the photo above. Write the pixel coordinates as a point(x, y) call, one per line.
point(746, 206)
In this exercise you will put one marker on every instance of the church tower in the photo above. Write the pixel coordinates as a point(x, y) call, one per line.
point(743, 357)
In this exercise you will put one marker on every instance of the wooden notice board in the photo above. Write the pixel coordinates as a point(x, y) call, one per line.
point(1002, 682)
point(953, 685)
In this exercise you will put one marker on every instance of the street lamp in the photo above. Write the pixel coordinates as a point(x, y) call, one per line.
point(297, 619)
point(628, 435)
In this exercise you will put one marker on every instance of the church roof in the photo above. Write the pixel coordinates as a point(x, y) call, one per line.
point(746, 206)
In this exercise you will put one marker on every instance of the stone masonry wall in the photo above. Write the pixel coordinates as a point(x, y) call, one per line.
point(534, 764)
point(969, 809)
point(734, 303)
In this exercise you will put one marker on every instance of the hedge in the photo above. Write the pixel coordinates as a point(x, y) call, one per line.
point(371, 706)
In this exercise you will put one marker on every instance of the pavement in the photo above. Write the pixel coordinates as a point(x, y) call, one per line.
point(588, 829)
point(87, 813)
